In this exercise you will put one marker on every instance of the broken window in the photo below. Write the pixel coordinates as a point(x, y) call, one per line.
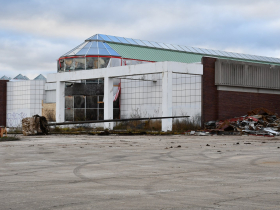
point(91, 114)
point(100, 102)
point(79, 63)
point(79, 114)
point(116, 113)
point(91, 102)
point(103, 62)
point(68, 64)
point(69, 102)
point(101, 114)
point(79, 101)
point(91, 63)
point(69, 114)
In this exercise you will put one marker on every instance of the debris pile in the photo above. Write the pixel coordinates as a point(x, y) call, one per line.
point(34, 125)
point(259, 121)
point(2, 131)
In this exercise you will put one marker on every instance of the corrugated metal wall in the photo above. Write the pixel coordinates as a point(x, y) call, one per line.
point(233, 73)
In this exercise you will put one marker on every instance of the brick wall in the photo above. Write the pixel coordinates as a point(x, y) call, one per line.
point(220, 105)
point(209, 91)
point(3, 102)
point(234, 104)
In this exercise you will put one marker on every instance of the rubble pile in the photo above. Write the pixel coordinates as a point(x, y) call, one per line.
point(259, 121)
point(34, 125)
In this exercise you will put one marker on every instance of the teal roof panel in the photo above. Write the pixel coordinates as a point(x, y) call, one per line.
point(152, 54)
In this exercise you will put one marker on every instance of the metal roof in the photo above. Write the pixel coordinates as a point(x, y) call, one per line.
point(21, 77)
point(92, 48)
point(40, 77)
point(151, 54)
point(101, 44)
point(5, 78)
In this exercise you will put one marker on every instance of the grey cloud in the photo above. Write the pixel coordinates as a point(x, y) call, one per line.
point(47, 29)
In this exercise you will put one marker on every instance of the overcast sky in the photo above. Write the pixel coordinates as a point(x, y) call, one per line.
point(34, 34)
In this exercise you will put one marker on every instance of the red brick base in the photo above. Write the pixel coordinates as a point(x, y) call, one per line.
point(234, 104)
point(3, 102)
point(221, 105)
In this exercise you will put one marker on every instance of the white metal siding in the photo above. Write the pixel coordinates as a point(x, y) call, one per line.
point(50, 96)
point(234, 73)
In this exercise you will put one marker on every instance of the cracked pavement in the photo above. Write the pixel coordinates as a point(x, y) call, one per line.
point(140, 172)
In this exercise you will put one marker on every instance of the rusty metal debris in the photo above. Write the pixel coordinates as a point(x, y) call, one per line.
point(260, 121)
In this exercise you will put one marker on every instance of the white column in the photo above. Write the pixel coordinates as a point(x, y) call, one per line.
point(60, 101)
point(108, 102)
point(166, 124)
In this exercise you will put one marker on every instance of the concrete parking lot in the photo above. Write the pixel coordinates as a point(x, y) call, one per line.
point(140, 172)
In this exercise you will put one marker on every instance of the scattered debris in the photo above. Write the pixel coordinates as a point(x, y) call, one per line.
point(210, 125)
point(259, 121)
point(190, 133)
point(104, 133)
point(198, 133)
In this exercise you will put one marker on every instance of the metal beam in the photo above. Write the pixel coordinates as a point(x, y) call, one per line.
point(114, 120)
point(135, 79)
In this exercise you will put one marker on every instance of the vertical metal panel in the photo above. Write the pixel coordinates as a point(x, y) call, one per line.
point(235, 73)
point(50, 96)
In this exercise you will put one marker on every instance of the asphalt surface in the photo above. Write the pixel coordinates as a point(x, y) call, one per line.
point(140, 172)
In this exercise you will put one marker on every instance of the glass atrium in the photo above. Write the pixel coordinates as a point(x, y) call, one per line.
point(101, 51)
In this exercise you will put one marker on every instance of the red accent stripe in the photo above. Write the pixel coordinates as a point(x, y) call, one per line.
point(102, 56)
point(138, 60)
point(82, 56)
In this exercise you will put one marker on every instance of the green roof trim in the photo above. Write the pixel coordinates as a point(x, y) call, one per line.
point(154, 54)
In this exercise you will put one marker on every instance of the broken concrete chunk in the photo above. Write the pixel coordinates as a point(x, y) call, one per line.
point(34, 125)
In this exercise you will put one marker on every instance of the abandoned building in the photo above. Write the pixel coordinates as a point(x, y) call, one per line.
point(109, 77)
